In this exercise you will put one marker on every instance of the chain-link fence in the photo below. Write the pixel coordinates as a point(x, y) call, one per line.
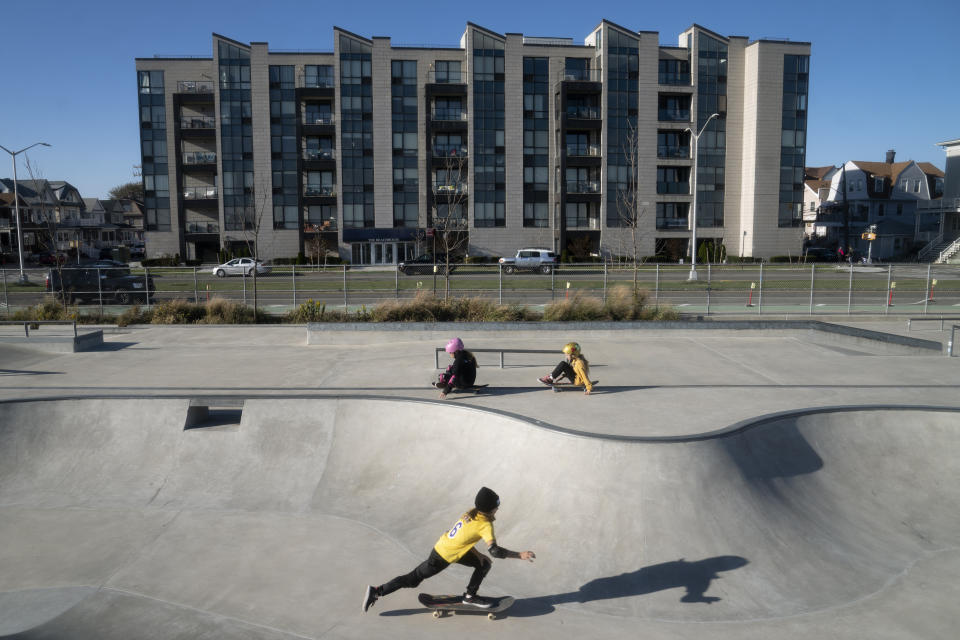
point(826, 289)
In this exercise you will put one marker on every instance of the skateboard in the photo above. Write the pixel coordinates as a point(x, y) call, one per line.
point(443, 605)
point(566, 386)
point(477, 388)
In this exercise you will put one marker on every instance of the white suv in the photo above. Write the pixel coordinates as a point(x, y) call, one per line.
point(542, 260)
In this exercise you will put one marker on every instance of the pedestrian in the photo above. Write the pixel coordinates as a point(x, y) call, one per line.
point(458, 545)
point(573, 367)
point(462, 372)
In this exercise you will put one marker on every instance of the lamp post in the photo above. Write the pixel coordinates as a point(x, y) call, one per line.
point(693, 217)
point(16, 203)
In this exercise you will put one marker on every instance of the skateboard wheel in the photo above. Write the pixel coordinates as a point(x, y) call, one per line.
point(437, 614)
point(492, 616)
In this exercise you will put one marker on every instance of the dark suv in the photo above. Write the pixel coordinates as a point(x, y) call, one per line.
point(116, 284)
point(424, 265)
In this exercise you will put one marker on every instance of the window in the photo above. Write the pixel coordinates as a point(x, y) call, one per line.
point(318, 75)
point(916, 186)
point(880, 210)
point(878, 185)
point(447, 72)
point(672, 215)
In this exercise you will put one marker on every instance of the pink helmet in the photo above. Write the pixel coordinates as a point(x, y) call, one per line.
point(454, 345)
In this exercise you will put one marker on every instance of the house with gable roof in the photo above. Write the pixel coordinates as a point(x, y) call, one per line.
point(878, 196)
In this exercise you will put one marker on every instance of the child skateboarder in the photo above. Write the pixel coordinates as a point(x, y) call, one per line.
point(458, 546)
point(574, 367)
point(462, 372)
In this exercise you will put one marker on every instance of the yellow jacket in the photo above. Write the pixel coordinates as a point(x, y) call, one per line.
point(582, 369)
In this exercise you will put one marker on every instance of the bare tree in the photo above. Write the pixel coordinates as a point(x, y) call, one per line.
point(450, 200)
point(630, 210)
point(319, 245)
point(251, 225)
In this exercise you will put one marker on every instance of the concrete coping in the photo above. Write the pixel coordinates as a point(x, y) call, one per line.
point(320, 332)
point(85, 340)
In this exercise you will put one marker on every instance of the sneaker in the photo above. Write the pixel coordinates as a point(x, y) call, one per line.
point(476, 601)
point(369, 598)
point(547, 380)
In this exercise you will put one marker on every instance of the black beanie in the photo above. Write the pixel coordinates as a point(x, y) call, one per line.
point(486, 500)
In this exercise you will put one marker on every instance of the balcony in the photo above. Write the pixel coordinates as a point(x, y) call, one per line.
point(450, 151)
point(673, 115)
point(674, 79)
point(317, 82)
point(582, 75)
point(667, 151)
point(319, 154)
point(199, 157)
point(198, 122)
point(446, 77)
point(591, 223)
point(584, 186)
point(449, 115)
point(583, 113)
point(200, 193)
point(672, 224)
point(195, 86)
point(202, 227)
point(320, 191)
point(454, 189)
point(323, 119)
point(584, 151)
point(681, 188)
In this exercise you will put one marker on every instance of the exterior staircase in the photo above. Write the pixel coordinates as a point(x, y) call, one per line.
point(939, 250)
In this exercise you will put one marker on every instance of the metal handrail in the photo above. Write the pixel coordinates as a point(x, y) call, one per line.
point(949, 251)
point(27, 324)
point(500, 351)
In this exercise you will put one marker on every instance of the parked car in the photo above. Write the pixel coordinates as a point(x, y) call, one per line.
point(542, 260)
point(49, 258)
point(240, 267)
point(116, 284)
point(424, 265)
point(821, 254)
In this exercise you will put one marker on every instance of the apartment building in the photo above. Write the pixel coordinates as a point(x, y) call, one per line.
point(502, 142)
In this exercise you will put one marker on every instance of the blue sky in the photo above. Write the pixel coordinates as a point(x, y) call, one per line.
point(884, 75)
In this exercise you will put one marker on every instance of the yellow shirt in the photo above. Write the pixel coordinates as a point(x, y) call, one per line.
point(456, 542)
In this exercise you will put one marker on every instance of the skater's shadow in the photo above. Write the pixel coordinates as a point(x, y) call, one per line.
point(695, 577)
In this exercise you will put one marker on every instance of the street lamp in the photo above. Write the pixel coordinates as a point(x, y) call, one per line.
point(16, 203)
point(693, 217)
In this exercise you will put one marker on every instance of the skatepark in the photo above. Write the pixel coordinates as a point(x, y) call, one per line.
point(249, 482)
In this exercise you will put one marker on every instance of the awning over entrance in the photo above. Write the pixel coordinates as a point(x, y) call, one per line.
point(379, 235)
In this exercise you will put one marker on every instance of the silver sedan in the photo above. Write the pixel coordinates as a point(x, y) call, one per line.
point(240, 267)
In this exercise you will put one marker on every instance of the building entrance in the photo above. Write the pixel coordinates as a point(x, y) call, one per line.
point(381, 253)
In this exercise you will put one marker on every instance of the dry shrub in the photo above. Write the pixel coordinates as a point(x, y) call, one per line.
point(220, 311)
point(177, 312)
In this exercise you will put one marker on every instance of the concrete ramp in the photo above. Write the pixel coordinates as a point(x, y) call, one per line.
point(790, 526)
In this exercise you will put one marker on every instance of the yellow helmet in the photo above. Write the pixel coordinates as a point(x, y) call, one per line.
point(571, 349)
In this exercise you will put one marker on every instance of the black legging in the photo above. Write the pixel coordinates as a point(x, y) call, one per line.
point(564, 369)
point(434, 564)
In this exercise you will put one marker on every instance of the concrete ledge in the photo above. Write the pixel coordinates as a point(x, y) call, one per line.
point(346, 333)
point(84, 341)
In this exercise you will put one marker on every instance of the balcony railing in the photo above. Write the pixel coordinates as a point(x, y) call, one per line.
point(450, 151)
point(320, 190)
point(674, 187)
point(199, 193)
point(195, 86)
point(319, 154)
point(455, 189)
point(323, 118)
point(318, 82)
point(582, 75)
point(449, 115)
point(590, 150)
point(673, 115)
point(316, 226)
point(593, 222)
point(677, 79)
point(198, 122)
point(199, 157)
point(587, 186)
point(202, 227)
point(587, 113)
point(673, 152)
point(446, 77)
point(672, 223)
